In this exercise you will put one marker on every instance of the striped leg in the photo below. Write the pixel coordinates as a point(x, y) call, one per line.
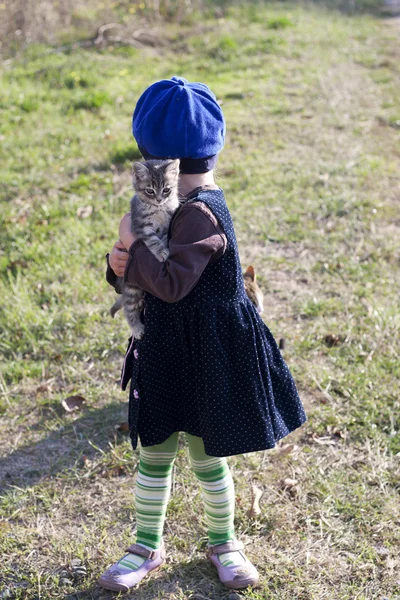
point(219, 498)
point(153, 485)
point(218, 492)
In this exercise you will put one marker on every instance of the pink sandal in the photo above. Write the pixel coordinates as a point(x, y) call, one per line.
point(121, 579)
point(235, 577)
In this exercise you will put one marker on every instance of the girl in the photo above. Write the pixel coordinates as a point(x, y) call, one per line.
point(207, 364)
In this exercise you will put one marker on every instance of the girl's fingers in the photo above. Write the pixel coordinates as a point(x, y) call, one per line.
point(118, 265)
point(119, 269)
point(118, 259)
point(121, 256)
point(120, 252)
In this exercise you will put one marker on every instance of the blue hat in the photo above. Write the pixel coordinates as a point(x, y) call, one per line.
point(178, 119)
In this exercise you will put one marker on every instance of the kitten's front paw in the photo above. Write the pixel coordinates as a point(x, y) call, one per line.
point(164, 255)
point(138, 331)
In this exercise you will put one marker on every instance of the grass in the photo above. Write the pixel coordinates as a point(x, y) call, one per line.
point(310, 172)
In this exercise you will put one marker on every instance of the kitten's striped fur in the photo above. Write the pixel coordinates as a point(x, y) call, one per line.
point(155, 201)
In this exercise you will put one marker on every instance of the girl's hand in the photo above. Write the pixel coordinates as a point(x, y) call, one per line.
point(125, 234)
point(118, 258)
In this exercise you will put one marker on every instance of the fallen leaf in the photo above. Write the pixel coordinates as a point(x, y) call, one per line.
point(87, 460)
point(83, 212)
point(289, 482)
point(256, 494)
point(324, 441)
point(332, 430)
point(290, 486)
point(73, 403)
point(43, 388)
point(332, 339)
point(124, 427)
point(116, 471)
point(324, 177)
point(287, 448)
point(20, 263)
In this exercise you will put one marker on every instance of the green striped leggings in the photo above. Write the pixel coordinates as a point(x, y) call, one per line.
point(153, 485)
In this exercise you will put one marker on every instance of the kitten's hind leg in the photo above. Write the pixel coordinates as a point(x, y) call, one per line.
point(133, 305)
point(116, 306)
point(135, 324)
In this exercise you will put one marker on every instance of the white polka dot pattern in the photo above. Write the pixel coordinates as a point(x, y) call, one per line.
point(208, 365)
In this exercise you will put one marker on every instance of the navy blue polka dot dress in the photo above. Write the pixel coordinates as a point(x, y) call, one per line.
point(208, 365)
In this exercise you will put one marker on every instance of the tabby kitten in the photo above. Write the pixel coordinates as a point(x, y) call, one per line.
point(253, 290)
point(155, 201)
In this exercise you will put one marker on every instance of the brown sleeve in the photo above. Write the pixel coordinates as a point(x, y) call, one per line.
point(196, 239)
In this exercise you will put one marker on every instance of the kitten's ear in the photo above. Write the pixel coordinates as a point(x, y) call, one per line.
point(250, 273)
point(139, 171)
point(173, 167)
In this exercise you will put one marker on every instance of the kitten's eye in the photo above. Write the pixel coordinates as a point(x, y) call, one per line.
point(149, 191)
point(166, 191)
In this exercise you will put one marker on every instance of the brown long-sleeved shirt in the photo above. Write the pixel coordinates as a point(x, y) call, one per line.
point(196, 240)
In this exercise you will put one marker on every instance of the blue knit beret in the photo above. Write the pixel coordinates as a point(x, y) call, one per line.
point(175, 118)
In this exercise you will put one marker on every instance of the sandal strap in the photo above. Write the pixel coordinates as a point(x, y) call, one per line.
point(140, 551)
point(230, 546)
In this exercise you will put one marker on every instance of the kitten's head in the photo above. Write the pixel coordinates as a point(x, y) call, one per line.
point(156, 181)
point(253, 290)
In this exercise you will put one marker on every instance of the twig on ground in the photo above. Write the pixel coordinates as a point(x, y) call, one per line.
point(102, 39)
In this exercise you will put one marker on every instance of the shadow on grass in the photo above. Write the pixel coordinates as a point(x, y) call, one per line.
point(90, 435)
point(197, 579)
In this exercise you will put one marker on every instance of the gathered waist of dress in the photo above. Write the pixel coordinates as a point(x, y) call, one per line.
point(189, 304)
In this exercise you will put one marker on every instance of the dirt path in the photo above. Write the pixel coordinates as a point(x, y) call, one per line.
point(392, 6)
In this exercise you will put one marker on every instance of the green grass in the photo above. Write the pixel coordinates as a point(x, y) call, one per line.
point(310, 172)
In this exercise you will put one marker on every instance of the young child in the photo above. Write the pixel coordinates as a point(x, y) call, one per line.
point(207, 365)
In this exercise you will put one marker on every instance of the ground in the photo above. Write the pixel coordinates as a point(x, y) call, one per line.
point(311, 175)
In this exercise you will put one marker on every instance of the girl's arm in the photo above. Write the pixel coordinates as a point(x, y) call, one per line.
point(196, 239)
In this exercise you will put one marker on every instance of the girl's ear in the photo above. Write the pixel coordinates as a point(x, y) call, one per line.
point(250, 273)
point(139, 171)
